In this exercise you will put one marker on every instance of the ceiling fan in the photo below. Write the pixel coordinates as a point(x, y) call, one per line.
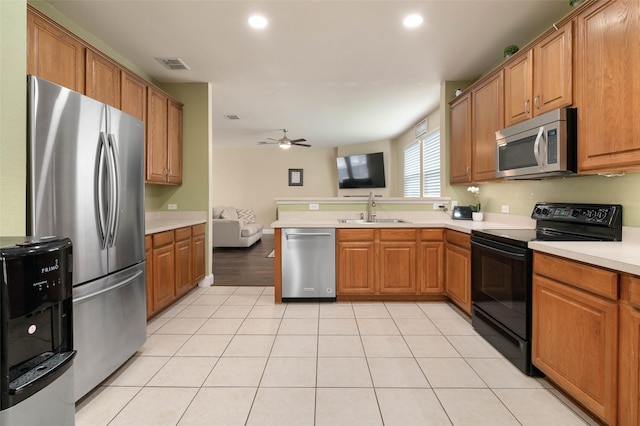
point(285, 142)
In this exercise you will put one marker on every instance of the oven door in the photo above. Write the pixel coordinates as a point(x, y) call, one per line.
point(501, 283)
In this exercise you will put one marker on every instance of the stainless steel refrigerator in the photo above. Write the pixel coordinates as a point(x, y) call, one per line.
point(86, 182)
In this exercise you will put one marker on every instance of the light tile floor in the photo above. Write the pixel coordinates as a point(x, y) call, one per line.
point(230, 356)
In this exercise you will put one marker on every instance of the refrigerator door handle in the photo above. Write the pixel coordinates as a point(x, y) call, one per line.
point(105, 290)
point(100, 196)
point(115, 192)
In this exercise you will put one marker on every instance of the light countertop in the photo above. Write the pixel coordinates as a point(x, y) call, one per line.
point(161, 221)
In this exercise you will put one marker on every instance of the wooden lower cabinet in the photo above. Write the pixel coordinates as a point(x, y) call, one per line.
point(355, 262)
point(184, 261)
point(390, 262)
point(629, 351)
point(575, 332)
point(163, 270)
point(458, 269)
point(175, 263)
point(431, 262)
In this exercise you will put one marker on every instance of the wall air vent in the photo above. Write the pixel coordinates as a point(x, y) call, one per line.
point(232, 117)
point(173, 63)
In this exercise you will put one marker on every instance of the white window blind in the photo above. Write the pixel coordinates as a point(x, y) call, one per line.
point(412, 170)
point(431, 164)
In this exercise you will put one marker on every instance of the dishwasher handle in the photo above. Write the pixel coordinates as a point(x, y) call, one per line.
point(307, 234)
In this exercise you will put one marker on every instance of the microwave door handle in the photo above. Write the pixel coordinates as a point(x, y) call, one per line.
point(536, 147)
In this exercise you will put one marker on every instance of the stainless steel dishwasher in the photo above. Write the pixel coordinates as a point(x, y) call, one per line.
point(309, 264)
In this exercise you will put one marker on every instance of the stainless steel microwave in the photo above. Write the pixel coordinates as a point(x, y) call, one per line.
point(541, 147)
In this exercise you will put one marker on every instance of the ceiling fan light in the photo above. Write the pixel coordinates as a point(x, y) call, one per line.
point(412, 21)
point(285, 144)
point(258, 22)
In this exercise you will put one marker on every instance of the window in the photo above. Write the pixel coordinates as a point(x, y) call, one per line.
point(422, 166)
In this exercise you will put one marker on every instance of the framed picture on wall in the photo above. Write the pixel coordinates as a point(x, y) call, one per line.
point(295, 177)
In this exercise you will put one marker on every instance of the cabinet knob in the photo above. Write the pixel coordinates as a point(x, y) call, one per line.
point(526, 106)
point(536, 101)
point(468, 170)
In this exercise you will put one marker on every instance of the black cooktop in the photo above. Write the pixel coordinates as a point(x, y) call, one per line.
point(564, 222)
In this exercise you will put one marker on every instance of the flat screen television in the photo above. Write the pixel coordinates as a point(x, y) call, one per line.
point(361, 171)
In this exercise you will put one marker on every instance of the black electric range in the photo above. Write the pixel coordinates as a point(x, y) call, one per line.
point(501, 270)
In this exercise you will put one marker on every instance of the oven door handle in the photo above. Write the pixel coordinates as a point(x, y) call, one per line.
point(507, 253)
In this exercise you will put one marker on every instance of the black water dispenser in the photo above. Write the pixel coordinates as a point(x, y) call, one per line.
point(36, 332)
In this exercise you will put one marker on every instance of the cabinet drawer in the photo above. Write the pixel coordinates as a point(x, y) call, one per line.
point(459, 239)
point(162, 239)
point(630, 289)
point(432, 234)
point(397, 234)
point(590, 278)
point(183, 234)
point(197, 229)
point(355, 234)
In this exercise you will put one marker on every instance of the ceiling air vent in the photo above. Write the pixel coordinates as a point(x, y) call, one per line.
point(232, 117)
point(173, 63)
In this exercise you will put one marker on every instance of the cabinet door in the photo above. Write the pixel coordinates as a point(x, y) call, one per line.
point(198, 248)
point(356, 269)
point(607, 70)
point(629, 350)
point(397, 269)
point(174, 135)
point(148, 257)
point(518, 86)
point(458, 276)
point(102, 79)
point(552, 77)
point(460, 140)
point(184, 267)
point(575, 343)
point(430, 267)
point(488, 116)
point(163, 276)
point(54, 54)
point(156, 143)
point(133, 95)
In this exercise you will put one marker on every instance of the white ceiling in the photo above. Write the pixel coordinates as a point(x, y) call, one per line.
point(332, 72)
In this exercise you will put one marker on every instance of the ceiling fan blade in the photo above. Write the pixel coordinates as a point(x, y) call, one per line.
point(266, 143)
point(298, 140)
point(300, 144)
point(272, 139)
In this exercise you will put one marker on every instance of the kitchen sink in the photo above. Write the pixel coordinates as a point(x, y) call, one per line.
point(373, 221)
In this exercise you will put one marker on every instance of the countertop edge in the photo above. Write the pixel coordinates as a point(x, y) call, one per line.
point(166, 221)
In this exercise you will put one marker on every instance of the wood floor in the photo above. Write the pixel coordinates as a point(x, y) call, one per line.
point(244, 266)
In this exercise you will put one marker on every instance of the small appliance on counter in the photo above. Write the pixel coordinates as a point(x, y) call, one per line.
point(501, 270)
point(36, 332)
point(462, 213)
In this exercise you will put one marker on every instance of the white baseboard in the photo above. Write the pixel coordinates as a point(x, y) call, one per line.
point(268, 231)
point(207, 281)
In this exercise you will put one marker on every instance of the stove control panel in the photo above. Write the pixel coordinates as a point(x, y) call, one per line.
point(595, 214)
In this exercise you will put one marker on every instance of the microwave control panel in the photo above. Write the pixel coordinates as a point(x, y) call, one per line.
point(552, 146)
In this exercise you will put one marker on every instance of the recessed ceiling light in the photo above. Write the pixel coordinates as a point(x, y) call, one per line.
point(258, 22)
point(412, 21)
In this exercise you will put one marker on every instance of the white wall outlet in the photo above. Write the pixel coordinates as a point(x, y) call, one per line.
point(438, 206)
point(454, 204)
point(505, 208)
point(314, 206)
point(172, 206)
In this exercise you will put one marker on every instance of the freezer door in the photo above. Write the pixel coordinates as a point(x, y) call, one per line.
point(66, 191)
point(126, 232)
point(109, 325)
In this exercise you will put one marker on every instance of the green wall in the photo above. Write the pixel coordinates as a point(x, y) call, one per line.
point(13, 110)
point(193, 194)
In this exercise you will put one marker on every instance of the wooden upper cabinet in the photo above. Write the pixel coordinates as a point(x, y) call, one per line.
point(156, 143)
point(552, 72)
point(518, 81)
point(607, 72)
point(488, 116)
point(133, 95)
point(102, 79)
point(460, 140)
point(174, 141)
point(53, 54)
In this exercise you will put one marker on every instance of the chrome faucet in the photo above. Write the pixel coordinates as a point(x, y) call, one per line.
point(371, 215)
